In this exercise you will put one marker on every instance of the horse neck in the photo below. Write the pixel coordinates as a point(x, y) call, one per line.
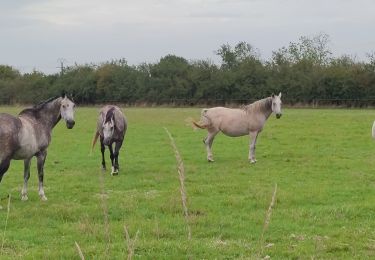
point(263, 107)
point(49, 115)
point(267, 107)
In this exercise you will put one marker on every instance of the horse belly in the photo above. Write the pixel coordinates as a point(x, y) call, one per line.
point(26, 151)
point(234, 128)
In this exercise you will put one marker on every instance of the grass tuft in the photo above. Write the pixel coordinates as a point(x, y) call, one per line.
point(130, 243)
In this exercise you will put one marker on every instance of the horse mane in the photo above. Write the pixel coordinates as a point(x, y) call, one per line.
point(110, 114)
point(36, 108)
point(261, 105)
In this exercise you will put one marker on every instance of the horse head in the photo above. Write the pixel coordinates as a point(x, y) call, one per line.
point(67, 111)
point(276, 105)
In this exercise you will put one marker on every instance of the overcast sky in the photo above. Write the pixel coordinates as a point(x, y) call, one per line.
point(35, 34)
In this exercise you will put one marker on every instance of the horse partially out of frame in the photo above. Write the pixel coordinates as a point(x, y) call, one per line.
point(29, 134)
point(238, 122)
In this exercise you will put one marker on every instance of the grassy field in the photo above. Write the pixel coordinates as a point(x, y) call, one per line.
point(323, 162)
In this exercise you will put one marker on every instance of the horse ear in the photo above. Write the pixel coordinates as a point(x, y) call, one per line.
point(63, 94)
point(72, 95)
point(273, 95)
point(280, 95)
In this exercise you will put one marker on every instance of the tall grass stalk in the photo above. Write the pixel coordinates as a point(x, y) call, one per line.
point(181, 174)
point(105, 214)
point(267, 219)
point(79, 251)
point(6, 223)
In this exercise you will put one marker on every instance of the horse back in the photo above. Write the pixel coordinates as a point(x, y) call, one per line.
point(121, 124)
point(222, 114)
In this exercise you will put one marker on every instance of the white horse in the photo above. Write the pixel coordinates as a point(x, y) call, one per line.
point(238, 122)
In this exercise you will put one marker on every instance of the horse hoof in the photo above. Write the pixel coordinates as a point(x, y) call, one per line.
point(253, 161)
point(210, 160)
point(114, 171)
point(43, 198)
point(24, 198)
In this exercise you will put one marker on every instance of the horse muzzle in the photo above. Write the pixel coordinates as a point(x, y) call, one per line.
point(70, 124)
point(278, 116)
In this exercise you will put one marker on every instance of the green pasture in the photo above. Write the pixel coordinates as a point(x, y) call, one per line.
point(322, 160)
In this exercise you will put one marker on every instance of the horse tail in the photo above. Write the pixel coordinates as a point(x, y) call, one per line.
point(94, 140)
point(204, 122)
point(199, 125)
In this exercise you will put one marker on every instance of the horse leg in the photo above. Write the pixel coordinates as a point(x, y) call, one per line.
point(4, 166)
point(102, 149)
point(208, 141)
point(41, 158)
point(253, 140)
point(26, 176)
point(116, 153)
point(112, 156)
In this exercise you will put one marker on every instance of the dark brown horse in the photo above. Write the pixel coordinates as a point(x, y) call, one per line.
point(29, 135)
point(111, 127)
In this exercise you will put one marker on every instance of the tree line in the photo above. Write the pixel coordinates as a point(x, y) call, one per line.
point(305, 71)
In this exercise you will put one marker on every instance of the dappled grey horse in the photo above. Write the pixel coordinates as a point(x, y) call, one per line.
point(238, 122)
point(29, 135)
point(111, 128)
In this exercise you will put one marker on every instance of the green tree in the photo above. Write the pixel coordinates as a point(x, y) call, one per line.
point(231, 57)
point(169, 80)
point(8, 73)
point(314, 50)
